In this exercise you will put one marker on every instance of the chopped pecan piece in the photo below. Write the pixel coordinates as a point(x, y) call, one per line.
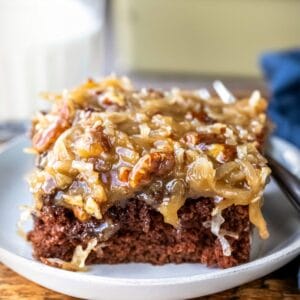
point(196, 138)
point(43, 139)
point(156, 163)
point(211, 138)
point(161, 163)
point(202, 116)
point(101, 138)
point(229, 152)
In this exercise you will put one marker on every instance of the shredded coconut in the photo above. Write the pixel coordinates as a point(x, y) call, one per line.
point(78, 260)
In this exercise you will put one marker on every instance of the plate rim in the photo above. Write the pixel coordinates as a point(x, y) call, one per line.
point(288, 251)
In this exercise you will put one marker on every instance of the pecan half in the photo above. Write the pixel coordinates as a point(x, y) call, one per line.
point(156, 163)
point(43, 139)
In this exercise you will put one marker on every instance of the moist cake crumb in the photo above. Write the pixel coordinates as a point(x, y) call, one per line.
point(142, 235)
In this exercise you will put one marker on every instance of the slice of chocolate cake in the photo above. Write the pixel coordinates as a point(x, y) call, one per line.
point(125, 175)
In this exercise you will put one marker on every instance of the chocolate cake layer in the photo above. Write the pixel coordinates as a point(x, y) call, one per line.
point(138, 233)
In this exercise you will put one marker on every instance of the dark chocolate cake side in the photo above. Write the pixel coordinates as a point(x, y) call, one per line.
point(138, 233)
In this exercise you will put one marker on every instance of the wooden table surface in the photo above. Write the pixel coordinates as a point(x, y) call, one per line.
point(281, 284)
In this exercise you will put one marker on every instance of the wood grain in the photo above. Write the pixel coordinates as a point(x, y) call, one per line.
point(13, 286)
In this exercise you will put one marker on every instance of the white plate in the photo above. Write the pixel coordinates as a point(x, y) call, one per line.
point(143, 281)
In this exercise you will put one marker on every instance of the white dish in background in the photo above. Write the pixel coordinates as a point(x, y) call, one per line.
point(142, 281)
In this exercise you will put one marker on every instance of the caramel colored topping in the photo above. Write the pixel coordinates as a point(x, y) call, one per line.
point(104, 143)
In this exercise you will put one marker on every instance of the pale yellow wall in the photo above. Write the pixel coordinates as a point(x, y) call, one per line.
point(206, 36)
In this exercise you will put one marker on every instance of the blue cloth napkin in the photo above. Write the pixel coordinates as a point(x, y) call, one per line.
point(282, 72)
